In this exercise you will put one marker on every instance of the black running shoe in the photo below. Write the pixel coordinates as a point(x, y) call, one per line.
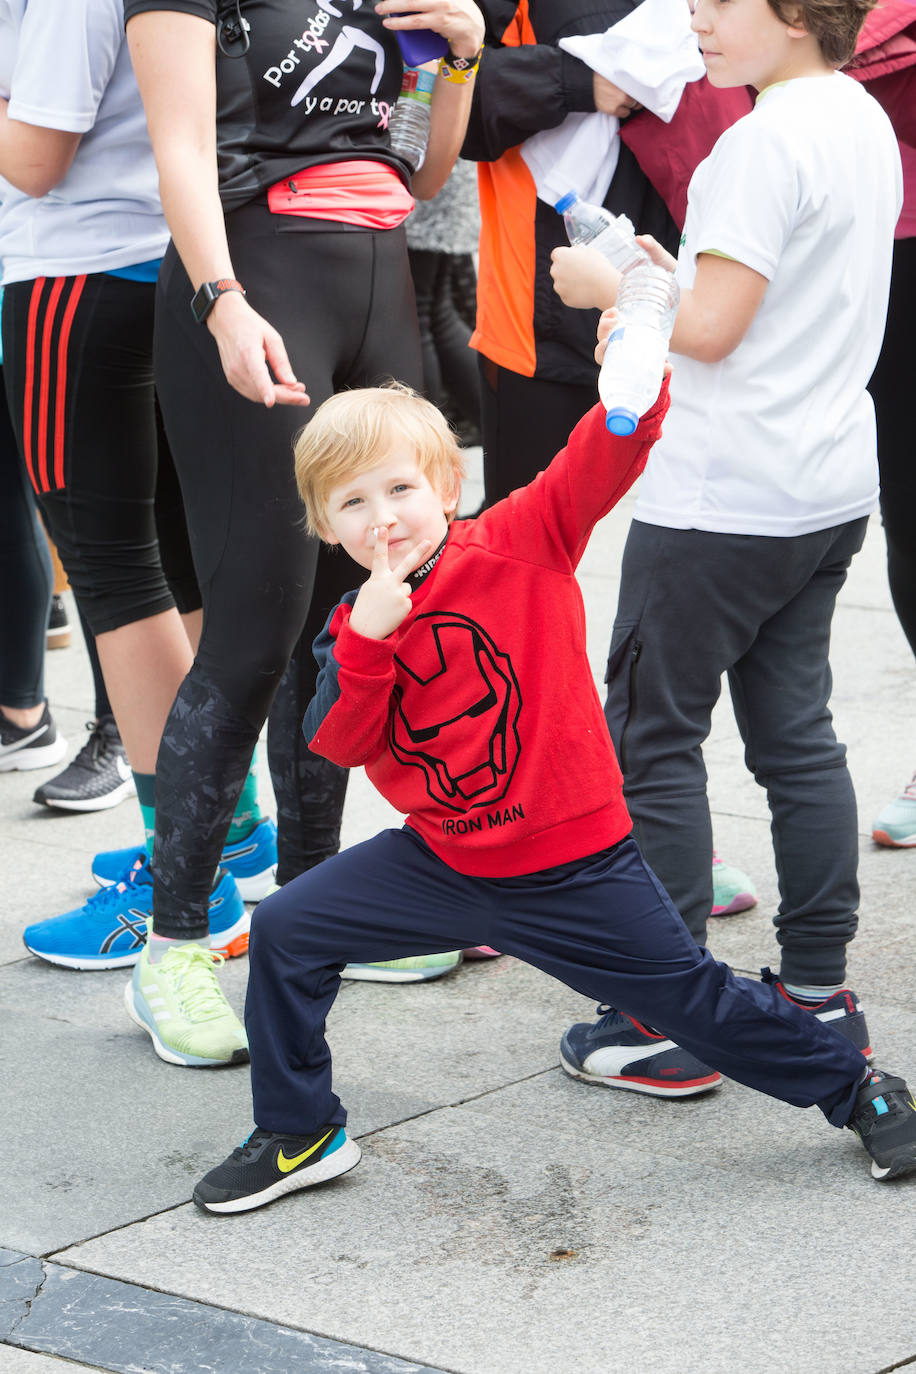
point(97, 779)
point(36, 746)
point(58, 635)
point(884, 1119)
point(267, 1165)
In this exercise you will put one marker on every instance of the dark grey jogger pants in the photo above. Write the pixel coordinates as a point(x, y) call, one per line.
point(694, 605)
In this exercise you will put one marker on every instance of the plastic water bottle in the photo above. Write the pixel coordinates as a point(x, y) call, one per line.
point(611, 234)
point(633, 366)
point(408, 127)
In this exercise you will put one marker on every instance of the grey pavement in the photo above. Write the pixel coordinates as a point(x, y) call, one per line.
point(504, 1219)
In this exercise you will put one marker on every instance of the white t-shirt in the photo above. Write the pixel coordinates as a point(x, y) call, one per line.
point(65, 65)
point(779, 437)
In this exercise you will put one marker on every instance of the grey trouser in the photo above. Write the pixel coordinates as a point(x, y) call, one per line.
point(694, 605)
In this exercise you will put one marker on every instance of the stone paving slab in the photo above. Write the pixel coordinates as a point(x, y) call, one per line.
point(45, 1306)
point(515, 1233)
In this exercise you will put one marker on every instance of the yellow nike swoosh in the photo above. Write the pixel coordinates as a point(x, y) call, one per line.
point(285, 1165)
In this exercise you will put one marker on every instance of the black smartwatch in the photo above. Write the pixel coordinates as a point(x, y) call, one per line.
point(210, 291)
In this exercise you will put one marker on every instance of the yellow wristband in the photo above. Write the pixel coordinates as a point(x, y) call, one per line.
point(459, 69)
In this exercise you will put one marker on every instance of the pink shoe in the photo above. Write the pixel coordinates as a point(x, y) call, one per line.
point(482, 952)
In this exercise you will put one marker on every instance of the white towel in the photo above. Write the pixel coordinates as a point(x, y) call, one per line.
point(651, 54)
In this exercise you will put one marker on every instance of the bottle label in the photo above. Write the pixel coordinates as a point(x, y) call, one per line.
point(418, 85)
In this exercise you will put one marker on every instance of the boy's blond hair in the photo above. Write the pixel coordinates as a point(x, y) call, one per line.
point(834, 23)
point(354, 431)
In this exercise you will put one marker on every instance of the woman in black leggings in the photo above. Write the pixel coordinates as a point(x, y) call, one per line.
point(286, 204)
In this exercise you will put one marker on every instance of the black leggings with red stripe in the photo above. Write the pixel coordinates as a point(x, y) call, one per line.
point(78, 369)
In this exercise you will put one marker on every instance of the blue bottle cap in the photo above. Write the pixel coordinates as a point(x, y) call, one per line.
point(622, 421)
point(565, 202)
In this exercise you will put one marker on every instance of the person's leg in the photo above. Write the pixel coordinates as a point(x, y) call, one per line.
point(375, 338)
point(457, 362)
point(426, 271)
point(92, 337)
point(27, 580)
point(524, 422)
point(889, 388)
point(780, 691)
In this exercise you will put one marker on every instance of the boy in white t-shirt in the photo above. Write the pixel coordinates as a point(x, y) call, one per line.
point(757, 495)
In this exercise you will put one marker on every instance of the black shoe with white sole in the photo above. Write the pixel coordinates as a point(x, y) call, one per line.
point(97, 779)
point(30, 746)
point(268, 1164)
point(884, 1119)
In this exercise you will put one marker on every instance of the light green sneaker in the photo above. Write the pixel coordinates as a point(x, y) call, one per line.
point(732, 890)
point(181, 1006)
point(418, 970)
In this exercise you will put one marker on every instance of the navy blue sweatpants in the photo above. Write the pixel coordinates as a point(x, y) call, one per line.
point(607, 929)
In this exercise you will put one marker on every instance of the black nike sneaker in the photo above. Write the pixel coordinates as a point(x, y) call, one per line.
point(30, 746)
point(884, 1119)
point(97, 779)
point(268, 1164)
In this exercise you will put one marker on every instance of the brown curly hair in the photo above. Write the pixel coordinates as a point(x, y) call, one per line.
point(835, 24)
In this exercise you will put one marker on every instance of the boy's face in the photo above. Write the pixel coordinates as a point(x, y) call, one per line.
point(744, 43)
point(396, 494)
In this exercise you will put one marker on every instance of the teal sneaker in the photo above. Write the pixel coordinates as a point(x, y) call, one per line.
point(732, 890)
point(251, 862)
point(182, 1008)
point(896, 824)
point(109, 930)
point(419, 970)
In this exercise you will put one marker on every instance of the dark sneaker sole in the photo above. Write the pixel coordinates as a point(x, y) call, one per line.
point(904, 1163)
point(651, 1087)
point(340, 1161)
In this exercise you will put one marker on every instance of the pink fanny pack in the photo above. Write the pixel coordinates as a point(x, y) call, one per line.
point(370, 194)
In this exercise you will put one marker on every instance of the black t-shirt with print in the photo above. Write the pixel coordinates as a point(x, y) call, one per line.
point(317, 84)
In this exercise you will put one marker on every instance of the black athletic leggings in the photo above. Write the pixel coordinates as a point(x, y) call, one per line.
point(25, 579)
point(344, 305)
point(79, 380)
point(889, 387)
point(449, 365)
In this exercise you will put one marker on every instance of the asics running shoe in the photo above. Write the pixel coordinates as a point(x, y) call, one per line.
point(269, 1164)
point(30, 746)
point(732, 890)
point(250, 861)
point(620, 1053)
point(884, 1119)
point(109, 931)
point(418, 970)
point(181, 1006)
point(97, 779)
point(896, 824)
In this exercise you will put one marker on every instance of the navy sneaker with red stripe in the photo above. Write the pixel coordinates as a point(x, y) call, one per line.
point(619, 1052)
point(842, 1011)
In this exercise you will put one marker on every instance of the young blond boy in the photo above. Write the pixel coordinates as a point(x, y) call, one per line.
point(758, 495)
point(458, 676)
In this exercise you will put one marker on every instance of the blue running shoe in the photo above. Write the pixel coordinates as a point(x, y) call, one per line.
point(618, 1052)
point(110, 930)
point(250, 861)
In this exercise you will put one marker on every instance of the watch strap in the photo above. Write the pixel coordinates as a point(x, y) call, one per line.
point(209, 292)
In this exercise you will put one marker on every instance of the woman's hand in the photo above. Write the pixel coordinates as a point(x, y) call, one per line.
point(583, 277)
point(250, 350)
point(458, 21)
